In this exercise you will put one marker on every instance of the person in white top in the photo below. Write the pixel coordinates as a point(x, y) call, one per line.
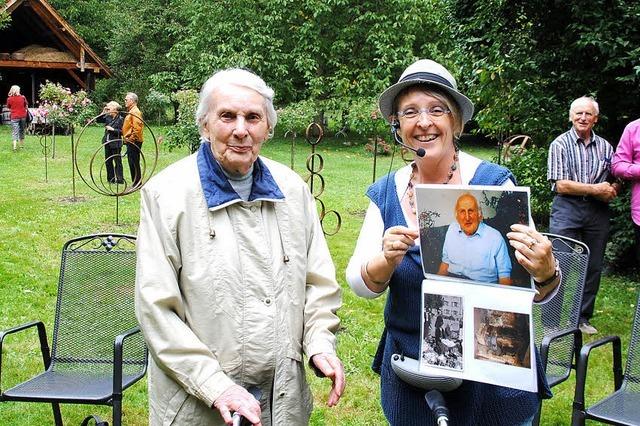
point(427, 113)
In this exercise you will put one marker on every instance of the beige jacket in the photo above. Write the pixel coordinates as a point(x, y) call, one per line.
point(218, 304)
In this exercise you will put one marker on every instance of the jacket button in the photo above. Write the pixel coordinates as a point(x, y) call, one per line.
point(267, 301)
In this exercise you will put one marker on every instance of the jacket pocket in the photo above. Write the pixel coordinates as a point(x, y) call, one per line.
point(174, 406)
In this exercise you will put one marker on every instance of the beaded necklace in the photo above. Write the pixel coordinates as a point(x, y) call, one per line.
point(410, 186)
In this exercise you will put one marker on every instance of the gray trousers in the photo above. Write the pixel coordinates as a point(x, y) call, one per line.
point(585, 219)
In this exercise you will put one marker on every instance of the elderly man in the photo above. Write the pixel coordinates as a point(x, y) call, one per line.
point(235, 282)
point(626, 165)
point(132, 133)
point(579, 171)
point(472, 249)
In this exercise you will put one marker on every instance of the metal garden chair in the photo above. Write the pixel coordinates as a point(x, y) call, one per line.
point(98, 350)
point(557, 335)
point(622, 407)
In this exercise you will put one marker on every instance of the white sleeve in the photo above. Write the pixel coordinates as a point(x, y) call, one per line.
point(369, 244)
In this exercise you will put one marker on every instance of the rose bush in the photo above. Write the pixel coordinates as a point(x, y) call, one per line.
point(61, 107)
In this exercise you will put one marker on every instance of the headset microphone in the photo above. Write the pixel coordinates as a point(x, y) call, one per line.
point(420, 152)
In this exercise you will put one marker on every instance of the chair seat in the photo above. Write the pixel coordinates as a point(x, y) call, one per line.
point(73, 387)
point(622, 407)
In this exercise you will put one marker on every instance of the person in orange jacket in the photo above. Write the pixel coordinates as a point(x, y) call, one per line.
point(132, 129)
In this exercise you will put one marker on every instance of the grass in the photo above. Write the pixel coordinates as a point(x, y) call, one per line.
point(37, 216)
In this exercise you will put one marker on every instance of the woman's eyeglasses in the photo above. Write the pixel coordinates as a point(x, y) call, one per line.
point(413, 113)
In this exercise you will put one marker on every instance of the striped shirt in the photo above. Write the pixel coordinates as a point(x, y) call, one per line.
point(570, 159)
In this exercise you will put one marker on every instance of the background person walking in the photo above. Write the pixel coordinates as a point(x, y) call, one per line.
point(17, 105)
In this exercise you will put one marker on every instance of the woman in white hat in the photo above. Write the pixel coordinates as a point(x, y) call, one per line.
point(427, 113)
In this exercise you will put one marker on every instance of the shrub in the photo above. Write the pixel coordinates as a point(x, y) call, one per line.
point(156, 106)
point(530, 169)
point(185, 132)
point(297, 116)
point(365, 119)
point(382, 147)
point(619, 252)
point(61, 107)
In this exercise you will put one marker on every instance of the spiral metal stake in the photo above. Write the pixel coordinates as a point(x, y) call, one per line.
point(94, 174)
point(44, 143)
point(313, 136)
point(73, 168)
point(53, 141)
point(44, 134)
point(375, 157)
point(293, 150)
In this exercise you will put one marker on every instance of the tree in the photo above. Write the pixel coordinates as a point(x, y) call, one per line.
point(523, 62)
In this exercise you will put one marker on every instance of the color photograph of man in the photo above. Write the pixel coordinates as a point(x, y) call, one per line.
point(472, 249)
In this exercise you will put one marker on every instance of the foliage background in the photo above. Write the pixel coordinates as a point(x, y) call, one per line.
point(522, 62)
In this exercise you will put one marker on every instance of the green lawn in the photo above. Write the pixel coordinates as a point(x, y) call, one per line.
point(37, 216)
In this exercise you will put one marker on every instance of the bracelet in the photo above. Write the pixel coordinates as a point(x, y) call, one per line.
point(365, 273)
point(556, 275)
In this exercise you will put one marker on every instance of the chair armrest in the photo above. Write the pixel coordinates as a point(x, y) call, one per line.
point(42, 337)
point(583, 360)
point(118, 344)
point(547, 340)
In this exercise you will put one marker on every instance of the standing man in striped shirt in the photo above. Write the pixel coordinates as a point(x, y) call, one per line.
point(579, 169)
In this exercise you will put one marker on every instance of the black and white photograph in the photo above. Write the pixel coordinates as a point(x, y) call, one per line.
point(478, 331)
point(502, 337)
point(442, 331)
point(463, 232)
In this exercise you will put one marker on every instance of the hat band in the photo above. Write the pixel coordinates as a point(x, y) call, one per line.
point(428, 76)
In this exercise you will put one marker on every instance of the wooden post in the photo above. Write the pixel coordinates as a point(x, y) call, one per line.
point(33, 88)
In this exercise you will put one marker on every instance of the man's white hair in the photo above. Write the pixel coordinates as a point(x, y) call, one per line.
point(581, 99)
point(241, 78)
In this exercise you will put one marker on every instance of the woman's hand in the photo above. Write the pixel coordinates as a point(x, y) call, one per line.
point(533, 251)
point(237, 399)
point(377, 271)
point(395, 243)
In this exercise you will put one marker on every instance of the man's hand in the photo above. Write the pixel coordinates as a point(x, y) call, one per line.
point(237, 399)
point(604, 191)
point(331, 367)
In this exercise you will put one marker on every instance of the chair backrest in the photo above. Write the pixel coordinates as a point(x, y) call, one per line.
point(631, 381)
point(96, 303)
point(562, 312)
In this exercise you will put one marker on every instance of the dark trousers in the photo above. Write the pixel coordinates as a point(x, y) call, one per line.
point(133, 158)
point(585, 219)
point(113, 163)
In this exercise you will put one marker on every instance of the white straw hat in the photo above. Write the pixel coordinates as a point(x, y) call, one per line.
point(425, 71)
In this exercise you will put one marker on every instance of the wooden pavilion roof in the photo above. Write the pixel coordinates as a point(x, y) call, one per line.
point(37, 23)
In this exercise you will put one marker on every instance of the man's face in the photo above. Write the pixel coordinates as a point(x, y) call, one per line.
point(236, 125)
point(128, 101)
point(584, 117)
point(467, 214)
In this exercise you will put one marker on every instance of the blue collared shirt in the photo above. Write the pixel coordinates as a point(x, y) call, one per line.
point(219, 193)
point(482, 256)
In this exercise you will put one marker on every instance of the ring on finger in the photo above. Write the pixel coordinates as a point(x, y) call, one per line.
point(532, 242)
